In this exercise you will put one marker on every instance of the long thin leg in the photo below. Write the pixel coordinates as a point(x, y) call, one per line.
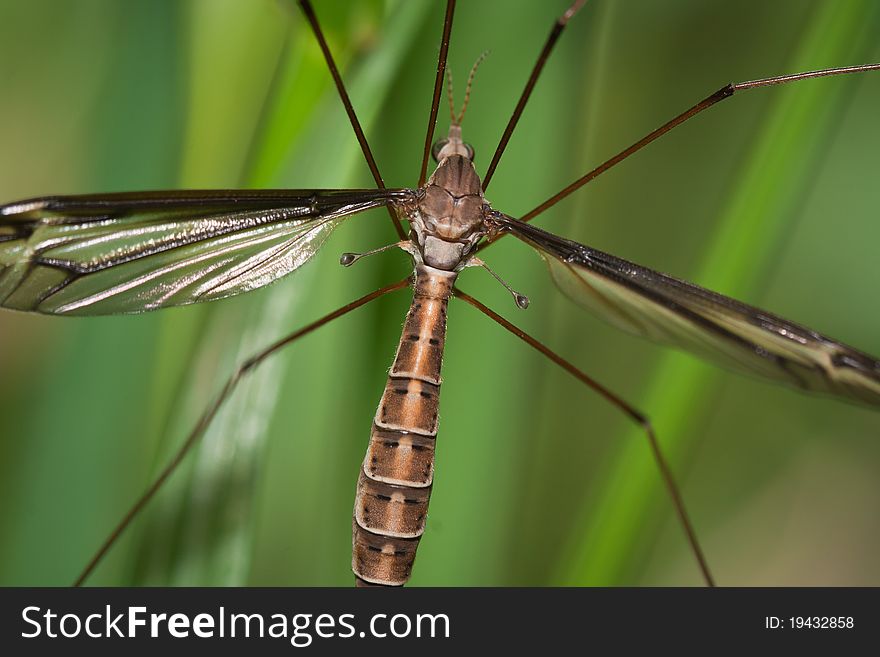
point(438, 88)
point(552, 38)
point(627, 409)
point(725, 92)
point(309, 12)
point(202, 425)
point(711, 100)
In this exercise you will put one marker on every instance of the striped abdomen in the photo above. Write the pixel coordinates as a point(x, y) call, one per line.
point(395, 481)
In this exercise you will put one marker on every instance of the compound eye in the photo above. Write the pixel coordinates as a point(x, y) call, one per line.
point(470, 151)
point(437, 147)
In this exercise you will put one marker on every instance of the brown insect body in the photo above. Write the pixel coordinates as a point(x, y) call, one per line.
point(131, 252)
point(394, 486)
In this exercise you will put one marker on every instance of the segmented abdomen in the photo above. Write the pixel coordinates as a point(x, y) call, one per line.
point(394, 486)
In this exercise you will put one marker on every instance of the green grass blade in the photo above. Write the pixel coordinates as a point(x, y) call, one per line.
point(760, 213)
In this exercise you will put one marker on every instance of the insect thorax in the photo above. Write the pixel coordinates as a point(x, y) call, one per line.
point(448, 219)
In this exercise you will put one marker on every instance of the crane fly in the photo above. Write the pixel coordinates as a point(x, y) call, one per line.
point(128, 253)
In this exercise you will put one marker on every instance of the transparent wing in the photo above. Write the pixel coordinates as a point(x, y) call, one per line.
point(717, 328)
point(133, 252)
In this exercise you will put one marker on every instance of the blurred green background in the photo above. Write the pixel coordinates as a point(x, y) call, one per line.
point(771, 197)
